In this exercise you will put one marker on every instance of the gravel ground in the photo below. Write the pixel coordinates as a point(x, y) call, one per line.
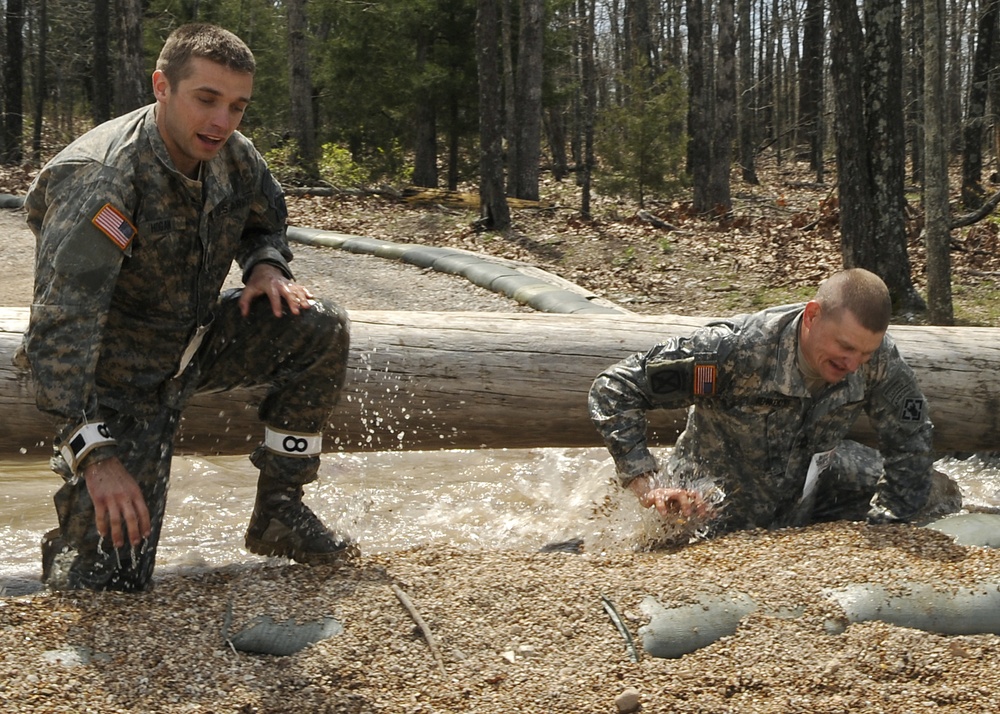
point(515, 633)
point(511, 631)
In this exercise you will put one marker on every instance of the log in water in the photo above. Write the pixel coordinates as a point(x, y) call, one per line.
point(427, 380)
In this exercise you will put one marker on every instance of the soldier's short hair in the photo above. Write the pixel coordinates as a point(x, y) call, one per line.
point(211, 42)
point(860, 292)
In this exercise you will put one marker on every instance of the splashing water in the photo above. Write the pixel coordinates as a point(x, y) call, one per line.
point(476, 499)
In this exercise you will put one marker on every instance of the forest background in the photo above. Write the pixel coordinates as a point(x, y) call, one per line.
point(674, 155)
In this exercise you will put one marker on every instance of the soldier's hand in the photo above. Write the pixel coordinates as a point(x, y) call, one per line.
point(668, 501)
point(265, 279)
point(117, 500)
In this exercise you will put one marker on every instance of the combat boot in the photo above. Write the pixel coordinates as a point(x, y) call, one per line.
point(55, 564)
point(282, 524)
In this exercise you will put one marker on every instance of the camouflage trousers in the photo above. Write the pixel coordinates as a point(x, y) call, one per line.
point(845, 484)
point(303, 361)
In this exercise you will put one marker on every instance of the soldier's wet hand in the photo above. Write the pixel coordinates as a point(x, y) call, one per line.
point(117, 501)
point(676, 502)
point(269, 281)
point(669, 501)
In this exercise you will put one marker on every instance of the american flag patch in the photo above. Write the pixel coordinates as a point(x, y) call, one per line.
point(115, 226)
point(704, 380)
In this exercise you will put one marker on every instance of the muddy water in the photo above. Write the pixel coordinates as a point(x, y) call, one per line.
point(388, 500)
point(491, 499)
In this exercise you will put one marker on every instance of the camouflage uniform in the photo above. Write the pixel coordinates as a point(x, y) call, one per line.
point(753, 427)
point(131, 256)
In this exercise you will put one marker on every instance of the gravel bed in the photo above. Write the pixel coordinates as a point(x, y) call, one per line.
point(516, 632)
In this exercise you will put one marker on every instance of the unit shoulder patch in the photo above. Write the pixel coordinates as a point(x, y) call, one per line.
point(913, 409)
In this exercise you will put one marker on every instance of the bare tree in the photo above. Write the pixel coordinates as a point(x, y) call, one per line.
point(853, 171)
point(132, 80)
point(300, 87)
point(699, 155)
point(937, 233)
point(811, 85)
point(525, 147)
point(11, 149)
point(748, 96)
point(425, 171)
point(101, 87)
point(887, 150)
point(41, 86)
point(972, 154)
point(494, 211)
point(712, 90)
point(588, 81)
point(870, 150)
point(718, 196)
point(915, 86)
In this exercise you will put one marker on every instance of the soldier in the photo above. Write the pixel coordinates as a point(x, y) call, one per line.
point(137, 224)
point(772, 396)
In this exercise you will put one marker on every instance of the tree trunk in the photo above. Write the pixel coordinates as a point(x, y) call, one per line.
point(41, 86)
point(420, 380)
point(589, 100)
point(915, 120)
point(767, 42)
point(556, 131)
point(425, 131)
point(132, 81)
point(719, 195)
point(494, 211)
point(748, 98)
point(972, 154)
point(510, 133)
point(425, 171)
point(640, 48)
point(937, 233)
point(522, 175)
point(700, 122)
point(11, 140)
point(102, 63)
point(811, 85)
point(887, 149)
point(454, 142)
point(854, 180)
point(301, 90)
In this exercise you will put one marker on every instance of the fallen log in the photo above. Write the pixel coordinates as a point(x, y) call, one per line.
point(423, 380)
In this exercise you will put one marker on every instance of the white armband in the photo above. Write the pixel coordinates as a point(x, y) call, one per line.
point(290, 443)
point(84, 440)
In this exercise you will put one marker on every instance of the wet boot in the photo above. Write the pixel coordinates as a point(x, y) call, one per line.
point(57, 557)
point(281, 524)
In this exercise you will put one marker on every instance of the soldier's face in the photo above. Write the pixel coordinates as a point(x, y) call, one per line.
point(836, 345)
point(198, 115)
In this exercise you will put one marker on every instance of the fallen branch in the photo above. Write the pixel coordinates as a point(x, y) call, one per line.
point(654, 221)
point(428, 635)
point(335, 191)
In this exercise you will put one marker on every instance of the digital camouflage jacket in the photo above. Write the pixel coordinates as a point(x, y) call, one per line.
point(131, 256)
point(753, 426)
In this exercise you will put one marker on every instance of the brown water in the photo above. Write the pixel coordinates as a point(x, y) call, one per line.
point(483, 499)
